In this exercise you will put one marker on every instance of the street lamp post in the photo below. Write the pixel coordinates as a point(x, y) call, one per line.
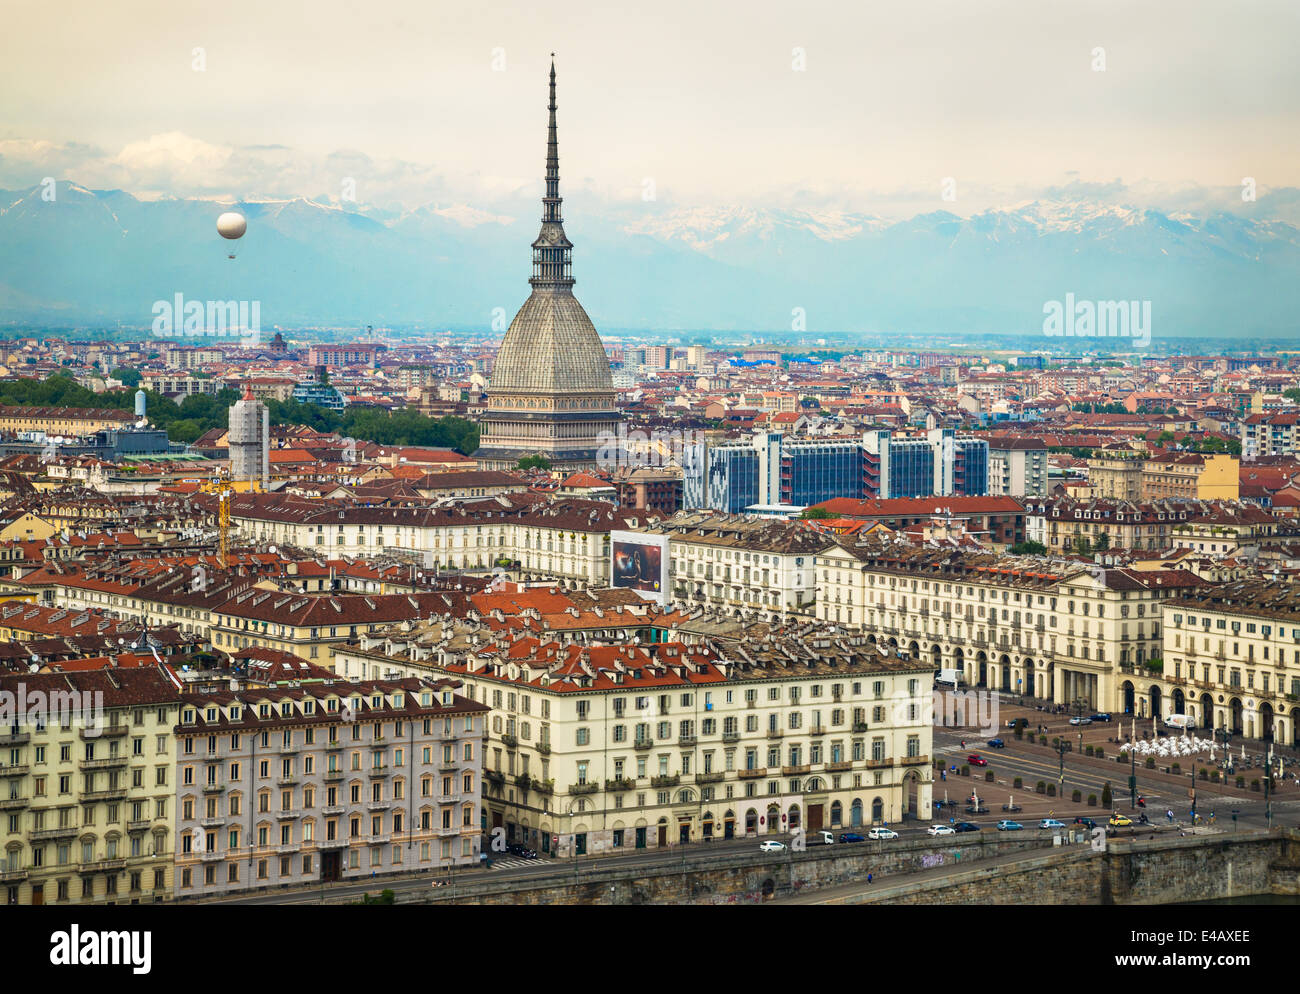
point(1133, 776)
point(1268, 780)
point(1061, 748)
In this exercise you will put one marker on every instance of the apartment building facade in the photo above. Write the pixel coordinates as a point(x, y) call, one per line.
point(622, 747)
point(1057, 631)
point(1231, 661)
point(86, 787)
point(325, 782)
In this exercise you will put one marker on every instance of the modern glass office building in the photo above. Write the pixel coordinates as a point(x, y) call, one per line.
point(733, 476)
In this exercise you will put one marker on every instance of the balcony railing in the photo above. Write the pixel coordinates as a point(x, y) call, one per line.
point(873, 764)
point(774, 733)
point(17, 770)
point(543, 786)
point(105, 732)
point(583, 788)
point(686, 740)
point(817, 730)
point(789, 771)
point(839, 767)
point(730, 736)
point(12, 738)
point(640, 744)
point(509, 740)
point(102, 764)
point(620, 783)
point(714, 777)
point(913, 760)
point(544, 748)
point(333, 776)
point(49, 834)
point(102, 865)
point(672, 780)
point(13, 803)
point(754, 774)
point(116, 794)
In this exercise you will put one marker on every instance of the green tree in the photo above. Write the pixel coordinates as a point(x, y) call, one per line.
point(130, 377)
point(1105, 794)
point(533, 462)
point(1029, 549)
point(815, 514)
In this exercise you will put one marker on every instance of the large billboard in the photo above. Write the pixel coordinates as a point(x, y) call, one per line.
point(640, 562)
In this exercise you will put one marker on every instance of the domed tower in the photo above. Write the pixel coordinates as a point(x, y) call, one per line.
point(551, 392)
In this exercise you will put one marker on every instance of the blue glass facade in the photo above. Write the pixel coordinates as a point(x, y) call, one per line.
point(911, 468)
point(814, 472)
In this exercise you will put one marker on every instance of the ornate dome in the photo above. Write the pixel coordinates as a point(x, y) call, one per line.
point(552, 347)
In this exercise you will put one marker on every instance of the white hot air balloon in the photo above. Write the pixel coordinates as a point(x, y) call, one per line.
point(231, 225)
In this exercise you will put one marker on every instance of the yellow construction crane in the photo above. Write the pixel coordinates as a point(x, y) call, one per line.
point(221, 487)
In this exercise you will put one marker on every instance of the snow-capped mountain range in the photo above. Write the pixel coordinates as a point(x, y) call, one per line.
point(103, 257)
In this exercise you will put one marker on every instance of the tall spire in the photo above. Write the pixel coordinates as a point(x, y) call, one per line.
point(551, 202)
point(552, 251)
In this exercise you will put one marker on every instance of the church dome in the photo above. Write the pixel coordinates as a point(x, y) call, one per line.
point(552, 347)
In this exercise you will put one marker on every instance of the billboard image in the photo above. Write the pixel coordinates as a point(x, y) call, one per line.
point(640, 563)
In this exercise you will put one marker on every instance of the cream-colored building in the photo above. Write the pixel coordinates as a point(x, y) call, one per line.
point(566, 539)
point(86, 802)
point(1027, 626)
point(733, 564)
point(599, 748)
point(1231, 659)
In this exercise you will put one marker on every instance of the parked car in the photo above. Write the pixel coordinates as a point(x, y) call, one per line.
point(966, 826)
point(977, 760)
point(882, 833)
point(771, 845)
point(1087, 823)
point(996, 744)
point(1080, 721)
point(852, 837)
point(522, 851)
point(1009, 826)
point(1118, 820)
point(820, 838)
point(1100, 716)
point(1051, 823)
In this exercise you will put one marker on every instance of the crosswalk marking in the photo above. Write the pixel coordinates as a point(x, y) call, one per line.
point(502, 863)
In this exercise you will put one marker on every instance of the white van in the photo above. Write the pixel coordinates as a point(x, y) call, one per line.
point(1179, 721)
point(820, 838)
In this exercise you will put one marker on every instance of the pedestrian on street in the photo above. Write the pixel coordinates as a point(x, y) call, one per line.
point(868, 879)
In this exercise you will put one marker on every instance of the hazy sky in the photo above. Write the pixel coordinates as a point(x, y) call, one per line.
point(704, 99)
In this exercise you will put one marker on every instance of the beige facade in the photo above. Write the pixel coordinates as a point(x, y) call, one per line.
point(86, 802)
point(1231, 661)
point(1025, 626)
point(729, 750)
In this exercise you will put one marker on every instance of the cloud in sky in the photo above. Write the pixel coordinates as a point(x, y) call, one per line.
point(863, 107)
